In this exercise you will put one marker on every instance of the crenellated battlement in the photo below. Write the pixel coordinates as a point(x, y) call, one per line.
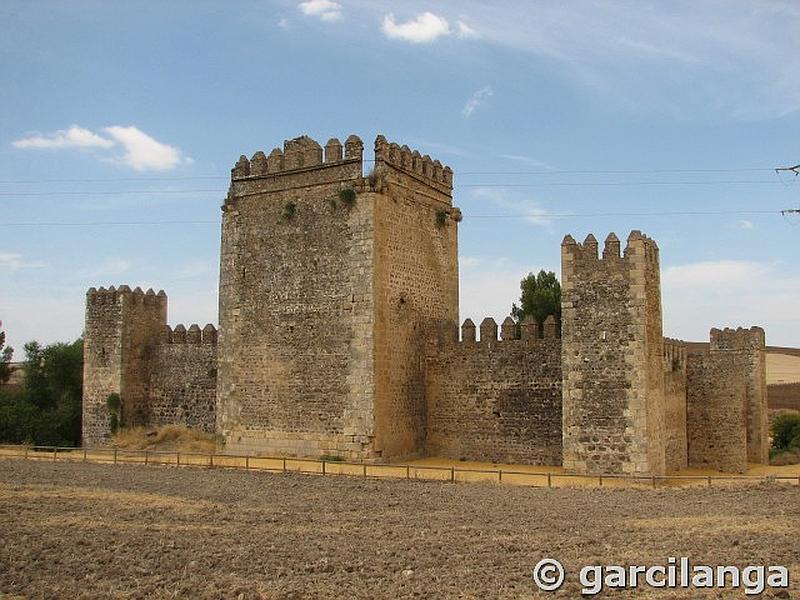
point(638, 247)
point(737, 339)
point(299, 154)
point(529, 330)
point(193, 335)
point(136, 296)
point(674, 355)
point(414, 164)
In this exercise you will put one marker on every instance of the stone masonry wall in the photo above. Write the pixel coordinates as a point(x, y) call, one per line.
point(716, 412)
point(297, 304)
point(496, 400)
point(675, 404)
point(182, 384)
point(750, 348)
point(122, 329)
point(416, 287)
point(612, 357)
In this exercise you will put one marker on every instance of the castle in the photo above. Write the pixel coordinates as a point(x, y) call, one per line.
point(338, 335)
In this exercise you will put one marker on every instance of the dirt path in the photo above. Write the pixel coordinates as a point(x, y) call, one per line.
point(104, 531)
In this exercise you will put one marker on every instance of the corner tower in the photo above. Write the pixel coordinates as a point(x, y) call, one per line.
point(612, 357)
point(123, 326)
point(330, 283)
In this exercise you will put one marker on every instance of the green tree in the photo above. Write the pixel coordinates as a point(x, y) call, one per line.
point(540, 297)
point(47, 411)
point(786, 432)
point(6, 353)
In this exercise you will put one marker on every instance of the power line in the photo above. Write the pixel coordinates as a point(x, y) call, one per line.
point(465, 185)
point(477, 216)
point(459, 173)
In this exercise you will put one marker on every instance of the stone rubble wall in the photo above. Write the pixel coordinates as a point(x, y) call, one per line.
point(493, 400)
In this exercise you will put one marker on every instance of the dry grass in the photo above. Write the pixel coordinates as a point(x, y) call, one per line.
point(169, 437)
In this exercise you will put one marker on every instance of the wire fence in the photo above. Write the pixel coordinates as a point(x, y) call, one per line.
point(321, 467)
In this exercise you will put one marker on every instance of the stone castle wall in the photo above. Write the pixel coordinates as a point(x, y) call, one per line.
point(338, 311)
point(716, 413)
point(297, 304)
point(727, 401)
point(496, 400)
point(416, 287)
point(125, 353)
point(612, 349)
point(182, 386)
point(675, 405)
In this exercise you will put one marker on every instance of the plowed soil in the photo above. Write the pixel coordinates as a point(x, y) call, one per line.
point(105, 531)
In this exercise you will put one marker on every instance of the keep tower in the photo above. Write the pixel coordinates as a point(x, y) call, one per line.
point(330, 283)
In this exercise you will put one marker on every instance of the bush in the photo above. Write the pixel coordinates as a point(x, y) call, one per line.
point(786, 432)
point(347, 196)
point(47, 410)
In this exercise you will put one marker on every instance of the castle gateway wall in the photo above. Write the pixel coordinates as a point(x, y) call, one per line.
point(493, 400)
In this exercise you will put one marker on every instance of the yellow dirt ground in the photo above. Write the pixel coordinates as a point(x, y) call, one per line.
point(440, 469)
point(782, 368)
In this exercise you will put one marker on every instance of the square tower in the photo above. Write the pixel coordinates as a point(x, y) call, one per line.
point(612, 357)
point(330, 283)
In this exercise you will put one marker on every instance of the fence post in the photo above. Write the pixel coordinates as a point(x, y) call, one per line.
point(601, 480)
point(146, 457)
point(364, 465)
point(211, 460)
point(284, 465)
point(178, 458)
point(247, 463)
point(549, 481)
point(654, 482)
point(115, 456)
point(26, 454)
point(408, 473)
point(452, 474)
point(500, 476)
point(709, 481)
point(323, 467)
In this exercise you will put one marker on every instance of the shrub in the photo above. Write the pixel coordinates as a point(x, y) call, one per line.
point(347, 196)
point(786, 432)
point(331, 458)
point(441, 218)
point(289, 211)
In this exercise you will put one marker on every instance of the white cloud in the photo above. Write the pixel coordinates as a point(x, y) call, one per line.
point(111, 267)
point(731, 293)
point(283, 23)
point(74, 137)
point(15, 262)
point(425, 27)
point(526, 209)
point(476, 100)
point(142, 152)
point(744, 224)
point(326, 10)
point(465, 31)
point(528, 160)
point(713, 274)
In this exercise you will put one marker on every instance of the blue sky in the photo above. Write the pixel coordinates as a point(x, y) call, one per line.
point(556, 118)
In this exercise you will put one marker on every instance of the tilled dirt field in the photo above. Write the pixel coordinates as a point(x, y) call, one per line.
point(105, 531)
